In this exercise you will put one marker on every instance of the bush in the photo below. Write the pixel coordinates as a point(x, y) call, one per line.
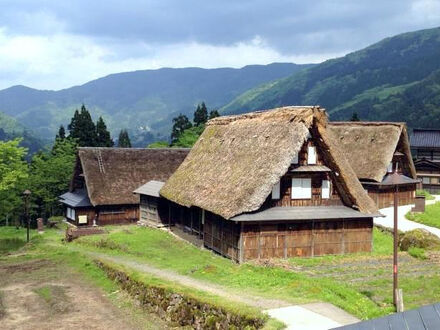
point(56, 218)
point(419, 238)
point(416, 252)
point(422, 192)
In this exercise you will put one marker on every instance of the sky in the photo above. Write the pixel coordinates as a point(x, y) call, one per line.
point(55, 44)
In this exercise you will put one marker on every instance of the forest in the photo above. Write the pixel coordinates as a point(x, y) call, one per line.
point(47, 172)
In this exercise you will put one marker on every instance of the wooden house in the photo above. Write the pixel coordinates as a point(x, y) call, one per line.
point(270, 184)
point(425, 147)
point(374, 150)
point(101, 189)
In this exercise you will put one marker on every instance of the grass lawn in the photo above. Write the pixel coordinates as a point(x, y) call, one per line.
point(158, 248)
point(431, 216)
point(361, 284)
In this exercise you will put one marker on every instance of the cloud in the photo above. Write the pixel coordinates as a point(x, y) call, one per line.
point(56, 44)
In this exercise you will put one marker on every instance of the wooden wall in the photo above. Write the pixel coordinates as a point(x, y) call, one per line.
point(385, 197)
point(88, 211)
point(222, 236)
point(117, 214)
point(263, 240)
point(108, 215)
point(305, 239)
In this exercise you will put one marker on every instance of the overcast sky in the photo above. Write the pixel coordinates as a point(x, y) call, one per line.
point(55, 44)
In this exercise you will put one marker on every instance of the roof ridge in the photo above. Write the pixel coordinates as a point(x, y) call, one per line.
point(267, 113)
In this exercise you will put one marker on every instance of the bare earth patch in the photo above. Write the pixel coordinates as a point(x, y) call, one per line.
point(41, 295)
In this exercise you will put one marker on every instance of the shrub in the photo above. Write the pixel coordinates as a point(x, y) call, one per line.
point(420, 238)
point(422, 192)
point(56, 218)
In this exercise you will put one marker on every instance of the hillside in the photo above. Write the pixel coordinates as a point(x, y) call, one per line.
point(10, 129)
point(143, 101)
point(397, 79)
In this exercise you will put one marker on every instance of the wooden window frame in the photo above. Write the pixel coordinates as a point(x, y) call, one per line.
point(301, 192)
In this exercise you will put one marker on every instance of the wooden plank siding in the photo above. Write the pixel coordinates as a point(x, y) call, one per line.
point(222, 236)
point(118, 214)
point(384, 197)
point(306, 239)
point(264, 240)
point(109, 215)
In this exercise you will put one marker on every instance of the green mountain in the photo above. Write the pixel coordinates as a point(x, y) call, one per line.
point(142, 101)
point(10, 128)
point(395, 79)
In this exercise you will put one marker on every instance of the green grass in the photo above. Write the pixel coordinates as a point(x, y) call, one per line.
point(158, 248)
point(422, 192)
point(417, 252)
point(44, 292)
point(12, 239)
point(431, 216)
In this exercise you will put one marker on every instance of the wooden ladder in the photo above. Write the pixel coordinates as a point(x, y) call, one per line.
point(100, 162)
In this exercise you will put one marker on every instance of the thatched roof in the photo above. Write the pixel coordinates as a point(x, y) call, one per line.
point(370, 146)
point(238, 159)
point(111, 174)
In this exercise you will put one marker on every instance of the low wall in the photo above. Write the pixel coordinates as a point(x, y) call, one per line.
point(178, 308)
point(73, 232)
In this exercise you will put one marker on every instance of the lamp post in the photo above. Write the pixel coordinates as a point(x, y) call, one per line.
point(395, 180)
point(27, 194)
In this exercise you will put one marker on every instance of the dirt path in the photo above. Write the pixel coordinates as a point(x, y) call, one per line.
point(38, 294)
point(255, 301)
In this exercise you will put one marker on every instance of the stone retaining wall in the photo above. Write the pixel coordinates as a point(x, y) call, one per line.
point(179, 309)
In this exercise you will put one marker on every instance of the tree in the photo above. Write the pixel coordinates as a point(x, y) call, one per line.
point(83, 129)
point(124, 139)
point(13, 172)
point(201, 114)
point(50, 174)
point(12, 165)
point(61, 133)
point(159, 144)
point(180, 123)
point(213, 114)
point(103, 138)
point(354, 117)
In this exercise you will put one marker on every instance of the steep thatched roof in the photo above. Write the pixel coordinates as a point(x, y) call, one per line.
point(369, 146)
point(111, 174)
point(238, 159)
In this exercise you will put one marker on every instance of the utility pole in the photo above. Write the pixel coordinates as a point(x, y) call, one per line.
point(27, 194)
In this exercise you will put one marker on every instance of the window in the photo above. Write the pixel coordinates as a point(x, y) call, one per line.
point(311, 155)
point(325, 190)
point(301, 188)
point(295, 159)
point(276, 191)
point(70, 213)
point(434, 180)
point(425, 180)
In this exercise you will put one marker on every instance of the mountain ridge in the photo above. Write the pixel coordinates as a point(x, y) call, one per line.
point(144, 101)
point(371, 82)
